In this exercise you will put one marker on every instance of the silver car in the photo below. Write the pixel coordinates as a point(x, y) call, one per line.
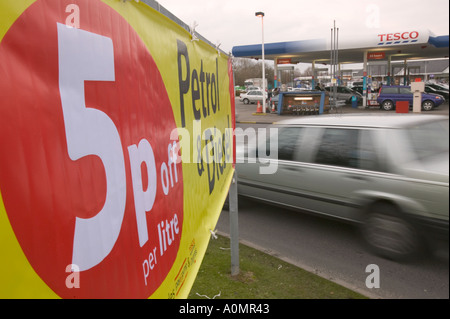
point(387, 173)
point(344, 93)
point(252, 96)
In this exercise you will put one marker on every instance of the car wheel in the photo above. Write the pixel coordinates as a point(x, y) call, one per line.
point(387, 105)
point(427, 105)
point(388, 234)
point(246, 101)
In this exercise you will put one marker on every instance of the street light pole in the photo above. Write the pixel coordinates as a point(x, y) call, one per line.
point(261, 14)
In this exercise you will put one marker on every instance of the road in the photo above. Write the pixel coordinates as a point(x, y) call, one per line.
point(335, 251)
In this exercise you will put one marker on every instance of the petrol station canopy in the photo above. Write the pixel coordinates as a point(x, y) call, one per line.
point(390, 46)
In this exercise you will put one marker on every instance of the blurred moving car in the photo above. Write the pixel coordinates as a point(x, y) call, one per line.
point(388, 174)
point(345, 93)
point(390, 95)
point(252, 96)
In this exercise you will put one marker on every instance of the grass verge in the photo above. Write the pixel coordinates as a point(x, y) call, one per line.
point(261, 277)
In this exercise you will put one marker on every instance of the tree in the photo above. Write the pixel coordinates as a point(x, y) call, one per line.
point(307, 72)
point(245, 68)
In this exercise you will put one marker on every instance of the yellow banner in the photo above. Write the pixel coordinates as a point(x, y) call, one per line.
point(116, 135)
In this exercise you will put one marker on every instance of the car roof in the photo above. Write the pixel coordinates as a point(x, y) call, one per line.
point(373, 120)
point(339, 86)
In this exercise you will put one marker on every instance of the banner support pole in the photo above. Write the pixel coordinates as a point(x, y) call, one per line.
point(234, 229)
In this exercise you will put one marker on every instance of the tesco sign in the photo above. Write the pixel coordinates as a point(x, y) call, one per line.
point(412, 35)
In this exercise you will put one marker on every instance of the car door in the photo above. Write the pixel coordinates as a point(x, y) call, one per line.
point(343, 93)
point(280, 184)
point(251, 96)
point(405, 94)
point(341, 162)
point(256, 96)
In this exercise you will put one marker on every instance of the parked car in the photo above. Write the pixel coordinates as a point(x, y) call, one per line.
point(436, 90)
point(390, 95)
point(344, 93)
point(359, 89)
point(387, 174)
point(438, 86)
point(298, 89)
point(253, 88)
point(252, 96)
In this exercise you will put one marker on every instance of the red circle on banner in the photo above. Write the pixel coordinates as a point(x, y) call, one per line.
point(44, 191)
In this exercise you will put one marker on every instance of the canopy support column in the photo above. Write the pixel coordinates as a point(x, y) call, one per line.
point(364, 103)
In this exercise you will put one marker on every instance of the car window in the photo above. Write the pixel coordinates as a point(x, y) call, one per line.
point(405, 91)
point(389, 90)
point(429, 139)
point(287, 142)
point(354, 148)
point(346, 90)
point(339, 147)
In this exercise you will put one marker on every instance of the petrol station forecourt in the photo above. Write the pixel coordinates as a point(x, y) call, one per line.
point(392, 47)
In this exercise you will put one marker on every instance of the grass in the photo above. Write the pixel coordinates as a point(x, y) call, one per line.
point(261, 277)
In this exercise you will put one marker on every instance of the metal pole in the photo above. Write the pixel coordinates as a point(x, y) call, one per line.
point(334, 63)
point(405, 66)
point(338, 66)
point(364, 104)
point(314, 75)
point(333, 105)
point(263, 67)
point(234, 229)
point(261, 14)
point(275, 73)
point(389, 71)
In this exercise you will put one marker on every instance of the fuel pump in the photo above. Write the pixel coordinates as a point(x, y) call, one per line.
point(417, 88)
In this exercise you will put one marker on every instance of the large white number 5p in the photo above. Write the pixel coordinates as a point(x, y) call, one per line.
point(85, 56)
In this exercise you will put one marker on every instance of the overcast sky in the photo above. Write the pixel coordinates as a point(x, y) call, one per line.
point(233, 22)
